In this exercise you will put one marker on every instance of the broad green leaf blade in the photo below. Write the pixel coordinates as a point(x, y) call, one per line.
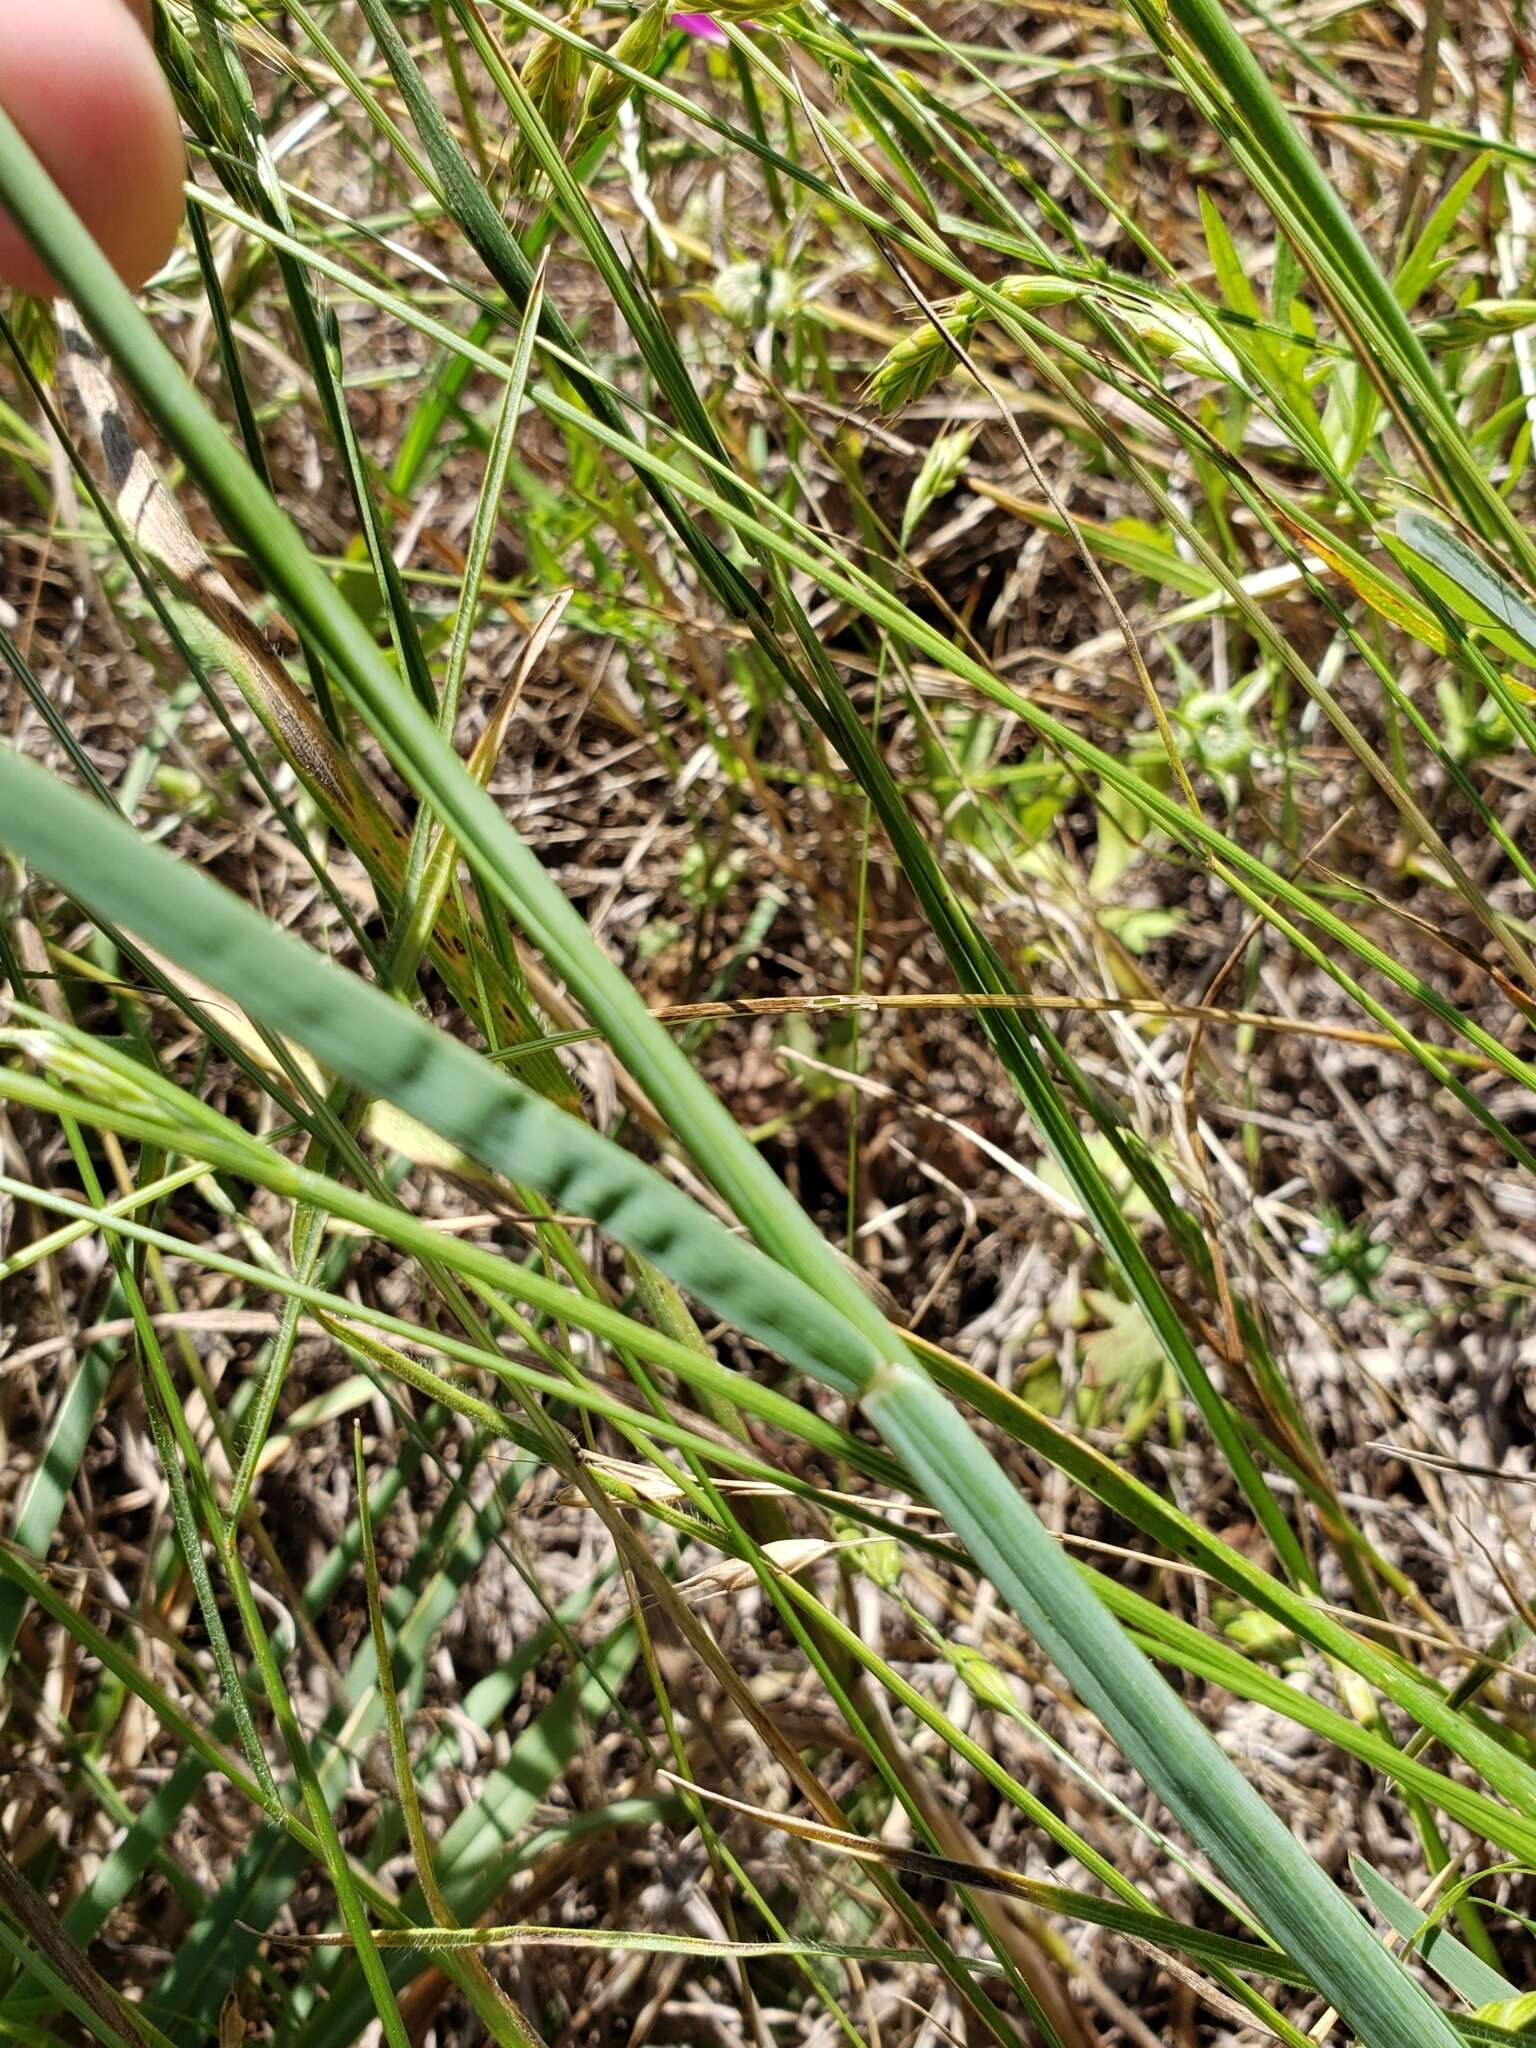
point(1449, 1958)
point(1472, 586)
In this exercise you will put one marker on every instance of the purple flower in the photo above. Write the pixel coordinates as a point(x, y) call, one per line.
point(704, 26)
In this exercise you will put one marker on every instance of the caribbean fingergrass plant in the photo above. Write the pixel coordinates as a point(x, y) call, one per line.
point(950, 545)
point(381, 1047)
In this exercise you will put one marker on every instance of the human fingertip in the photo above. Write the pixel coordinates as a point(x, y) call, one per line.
point(80, 80)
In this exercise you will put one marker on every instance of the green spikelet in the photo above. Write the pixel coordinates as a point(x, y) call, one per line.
point(920, 358)
point(551, 77)
point(637, 47)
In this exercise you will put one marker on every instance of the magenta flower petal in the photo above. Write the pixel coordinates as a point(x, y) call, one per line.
point(704, 26)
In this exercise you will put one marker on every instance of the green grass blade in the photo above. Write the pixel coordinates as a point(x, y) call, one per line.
point(1449, 1958)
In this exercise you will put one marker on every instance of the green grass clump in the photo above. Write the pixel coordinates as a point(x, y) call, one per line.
point(1044, 608)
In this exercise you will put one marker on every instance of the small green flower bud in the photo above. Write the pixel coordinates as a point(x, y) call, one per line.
point(1221, 733)
point(754, 294)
